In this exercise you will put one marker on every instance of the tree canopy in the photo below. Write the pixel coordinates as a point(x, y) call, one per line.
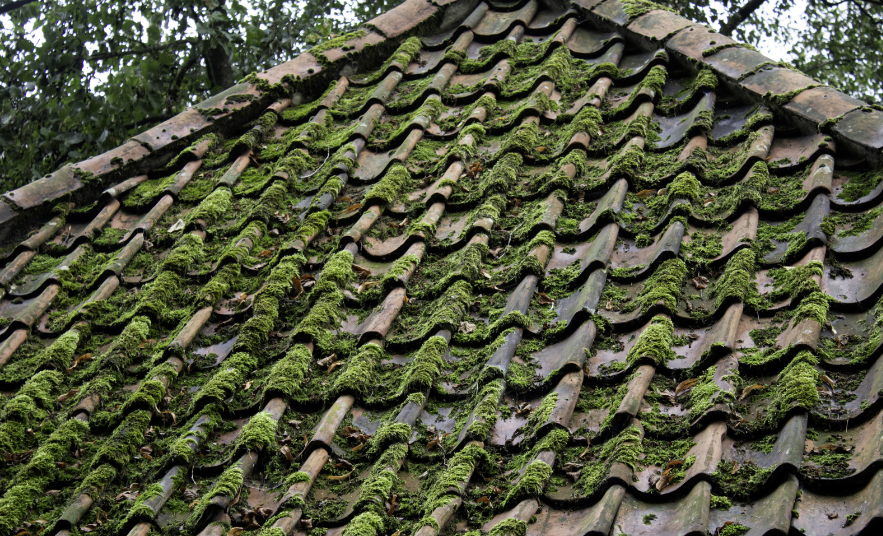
point(79, 77)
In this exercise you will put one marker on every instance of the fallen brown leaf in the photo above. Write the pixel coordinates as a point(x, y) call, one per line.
point(747, 391)
point(685, 385)
point(341, 477)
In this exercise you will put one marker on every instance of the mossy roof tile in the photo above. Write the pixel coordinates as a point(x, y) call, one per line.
point(608, 288)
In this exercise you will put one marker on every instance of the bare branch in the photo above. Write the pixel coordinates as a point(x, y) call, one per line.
point(740, 16)
point(11, 6)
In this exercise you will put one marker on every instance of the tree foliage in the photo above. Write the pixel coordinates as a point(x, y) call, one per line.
point(78, 78)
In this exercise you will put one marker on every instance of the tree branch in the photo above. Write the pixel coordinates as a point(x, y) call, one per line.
point(137, 51)
point(740, 15)
point(151, 119)
point(10, 6)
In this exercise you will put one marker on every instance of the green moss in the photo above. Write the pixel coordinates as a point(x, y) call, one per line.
point(185, 254)
point(212, 292)
point(360, 373)
point(684, 186)
point(734, 529)
point(663, 286)
point(737, 282)
point(337, 42)
point(850, 519)
point(531, 483)
point(653, 81)
point(259, 433)
point(312, 225)
point(720, 502)
point(327, 312)
point(541, 414)
point(425, 367)
point(858, 185)
point(149, 394)
point(256, 331)
point(655, 342)
point(379, 484)
point(456, 475)
point(365, 524)
point(625, 447)
point(444, 313)
point(96, 481)
point(782, 99)
point(395, 183)
point(636, 8)
point(42, 469)
point(297, 477)
point(226, 381)
point(228, 485)
point(389, 433)
point(509, 527)
point(139, 510)
point(287, 376)
point(214, 141)
point(485, 412)
point(119, 449)
point(218, 204)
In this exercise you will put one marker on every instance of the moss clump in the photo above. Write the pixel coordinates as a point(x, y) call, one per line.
point(379, 484)
point(392, 186)
point(149, 394)
point(464, 265)
point(186, 253)
point(395, 432)
point(444, 313)
point(684, 186)
point(798, 383)
point(625, 448)
point(123, 443)
point(740, 481)
point(96, 480)
point(636, 8)
point(456, 475)
point(225, 381)
point(720, 502)
point(327, 312)
point(425, 367)
point(737, 281)
point(287, 375)
point(218, 286)
point(360, 373)
point(663, 286)
point(139, 510)
point(734, 529)
point(259, 433)
point(509, 527)
point(652, 82)
point(312, 225)
point(484, 416)
point(256, 331)
point(228, 485)
point(365, 524)
point(184, 448)
point(218, 204)
point(655, 342)
point(531, 483)
point(29, 484)
point(541, 414)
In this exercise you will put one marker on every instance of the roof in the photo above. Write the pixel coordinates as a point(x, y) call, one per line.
point(518, 268)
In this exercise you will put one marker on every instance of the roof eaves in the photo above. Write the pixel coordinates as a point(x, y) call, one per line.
point(810, 105)
point(306, 73)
